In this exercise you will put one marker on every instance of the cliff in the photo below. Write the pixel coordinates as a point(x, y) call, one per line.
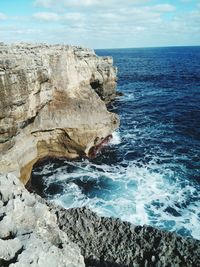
point(51, 104)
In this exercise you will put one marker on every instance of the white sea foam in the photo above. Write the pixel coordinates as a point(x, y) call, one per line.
point(141, 194)
point(116, 139)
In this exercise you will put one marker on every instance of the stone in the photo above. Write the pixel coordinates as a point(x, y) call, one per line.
point(114, 243)
point(35, 232)
point(29, 233)
point(49, 105)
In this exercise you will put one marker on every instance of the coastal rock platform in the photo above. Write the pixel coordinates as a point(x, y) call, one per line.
point(109, 242)
point(29, 233)
point(34, 232)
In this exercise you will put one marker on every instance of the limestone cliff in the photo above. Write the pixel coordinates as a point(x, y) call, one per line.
point(51, 104)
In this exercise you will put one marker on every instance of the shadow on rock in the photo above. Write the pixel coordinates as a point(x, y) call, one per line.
point(102, 263)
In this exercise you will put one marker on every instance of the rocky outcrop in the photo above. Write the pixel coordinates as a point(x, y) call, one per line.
point(36, 233)
point(108, 242)
point(29, 234)
point(50, 104)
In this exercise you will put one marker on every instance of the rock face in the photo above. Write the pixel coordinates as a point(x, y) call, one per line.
point(50, 104)
point(29, 234)
point(108, 242)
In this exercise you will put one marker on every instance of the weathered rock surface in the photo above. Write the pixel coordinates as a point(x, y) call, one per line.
point(108, 242)
point(50, 104)
point(36, 233)
point(29, 234)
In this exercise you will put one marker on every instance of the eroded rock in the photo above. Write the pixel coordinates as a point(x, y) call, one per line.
point(49, 106)
point(29, 234)
point(110, 242)
point(36, 233)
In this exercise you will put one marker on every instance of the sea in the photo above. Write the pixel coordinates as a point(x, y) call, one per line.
point(150, 172)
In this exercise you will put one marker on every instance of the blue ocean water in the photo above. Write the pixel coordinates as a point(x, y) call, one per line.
point(150, 173)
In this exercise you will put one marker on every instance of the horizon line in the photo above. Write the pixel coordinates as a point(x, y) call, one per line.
point(89, 47)
point(142, 47)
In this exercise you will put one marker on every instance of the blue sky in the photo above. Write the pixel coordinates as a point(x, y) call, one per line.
point(101, 23)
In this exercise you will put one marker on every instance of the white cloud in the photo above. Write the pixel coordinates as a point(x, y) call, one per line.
point(56, 17)
point(104, 27)
point(73, 16)
point(106, 23)
point(103, 17)
point(163, 8)
point(137, 16)
point(16, 33)
point(86, 3)
point(2, 16)
point(46, 16)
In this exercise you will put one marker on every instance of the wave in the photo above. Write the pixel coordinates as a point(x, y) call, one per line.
point(148, 194)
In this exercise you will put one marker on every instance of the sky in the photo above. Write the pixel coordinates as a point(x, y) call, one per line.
point(101, 23)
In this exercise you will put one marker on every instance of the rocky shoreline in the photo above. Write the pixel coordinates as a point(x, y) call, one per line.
point(34, 232)
point(52, 104)
point(29, 233)
point(111, 242)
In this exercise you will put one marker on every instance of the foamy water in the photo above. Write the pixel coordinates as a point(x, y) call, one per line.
point(145, 194)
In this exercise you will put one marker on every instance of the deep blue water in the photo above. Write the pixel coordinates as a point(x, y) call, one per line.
point(150, 173)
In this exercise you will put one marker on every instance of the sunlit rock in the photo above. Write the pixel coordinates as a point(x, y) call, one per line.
point(49, 104)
